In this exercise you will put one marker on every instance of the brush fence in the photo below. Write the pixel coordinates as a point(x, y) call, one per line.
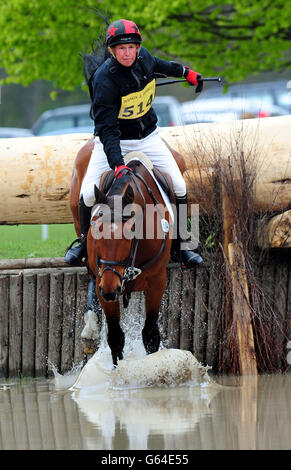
point(41, 316)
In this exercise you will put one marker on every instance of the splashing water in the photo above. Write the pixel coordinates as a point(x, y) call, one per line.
point(166, 368)
point(64, 382)
point(144, 393)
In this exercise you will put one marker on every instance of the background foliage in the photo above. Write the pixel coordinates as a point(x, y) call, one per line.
point(43, 40)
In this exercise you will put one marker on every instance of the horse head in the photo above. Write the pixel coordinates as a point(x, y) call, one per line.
point(112, 219)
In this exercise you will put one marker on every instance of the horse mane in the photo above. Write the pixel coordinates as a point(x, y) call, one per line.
point(98, 55)
point(118, 185)
point(116, 189)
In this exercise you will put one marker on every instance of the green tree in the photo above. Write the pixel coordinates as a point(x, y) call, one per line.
point(44, 40)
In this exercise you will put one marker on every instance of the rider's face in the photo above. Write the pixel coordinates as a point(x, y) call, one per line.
point(125, 54)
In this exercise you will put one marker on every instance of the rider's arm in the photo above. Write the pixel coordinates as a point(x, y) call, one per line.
point(170, 69)
point(105, 107)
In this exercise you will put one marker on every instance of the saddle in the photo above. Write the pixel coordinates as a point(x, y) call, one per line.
point(163, 179)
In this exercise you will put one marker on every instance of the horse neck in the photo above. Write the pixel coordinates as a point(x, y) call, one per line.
point(139, 182)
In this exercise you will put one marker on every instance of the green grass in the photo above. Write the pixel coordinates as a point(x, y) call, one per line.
point(25, 241)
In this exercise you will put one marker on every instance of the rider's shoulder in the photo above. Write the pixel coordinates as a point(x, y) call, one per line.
point(145, 53)
point(104, 68)
point(104, 73)
point(146, 56)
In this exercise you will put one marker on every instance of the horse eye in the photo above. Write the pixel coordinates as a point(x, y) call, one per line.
point(100, 213)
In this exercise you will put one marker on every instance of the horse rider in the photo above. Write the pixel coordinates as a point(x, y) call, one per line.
point(122, 91)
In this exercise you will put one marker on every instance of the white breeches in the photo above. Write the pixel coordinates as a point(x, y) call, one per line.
point(155, 149)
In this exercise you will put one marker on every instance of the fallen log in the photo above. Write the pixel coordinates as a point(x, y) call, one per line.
point(30, 263)
point(275, 232)
point(255, 146)
point(36, 172)
point(35, 178)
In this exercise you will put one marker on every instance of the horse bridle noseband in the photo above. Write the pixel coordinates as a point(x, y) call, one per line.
point(131, 272)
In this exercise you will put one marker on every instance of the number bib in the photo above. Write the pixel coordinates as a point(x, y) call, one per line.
point(138, 103)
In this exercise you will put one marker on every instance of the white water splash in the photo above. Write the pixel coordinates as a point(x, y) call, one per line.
point(162, 393)
point(167, 367)
point(138, 406)
point(65, 381)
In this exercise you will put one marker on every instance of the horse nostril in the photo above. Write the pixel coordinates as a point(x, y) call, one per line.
point(110, 296)
point(101, 292)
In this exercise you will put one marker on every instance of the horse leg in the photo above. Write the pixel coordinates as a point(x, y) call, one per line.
point(115, 336)
point(90, 335)
point(150, 332)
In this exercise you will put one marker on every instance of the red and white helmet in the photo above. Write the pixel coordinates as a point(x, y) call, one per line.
point(122, 32)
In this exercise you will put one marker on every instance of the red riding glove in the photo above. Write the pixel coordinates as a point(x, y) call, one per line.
point(193, 78)
point(118, 170)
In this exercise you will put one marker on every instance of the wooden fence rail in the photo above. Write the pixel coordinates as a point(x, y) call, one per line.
point(41, 316)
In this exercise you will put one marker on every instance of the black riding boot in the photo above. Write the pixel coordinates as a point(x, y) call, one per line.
point(74, 255)
point(187, 257)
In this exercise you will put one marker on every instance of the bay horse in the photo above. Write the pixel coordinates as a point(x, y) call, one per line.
point(129, 262)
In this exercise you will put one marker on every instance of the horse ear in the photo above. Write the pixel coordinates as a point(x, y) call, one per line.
point(128, 196)
point(99, 196)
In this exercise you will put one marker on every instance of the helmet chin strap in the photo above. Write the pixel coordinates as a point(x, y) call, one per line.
point(112, 52)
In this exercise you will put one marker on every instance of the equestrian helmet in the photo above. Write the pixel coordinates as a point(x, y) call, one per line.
point(122, 32)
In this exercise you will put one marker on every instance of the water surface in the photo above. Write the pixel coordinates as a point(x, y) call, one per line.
point(35, 415)
point(82, 411)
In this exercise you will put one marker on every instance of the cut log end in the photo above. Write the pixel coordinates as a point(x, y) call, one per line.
point(276, 232)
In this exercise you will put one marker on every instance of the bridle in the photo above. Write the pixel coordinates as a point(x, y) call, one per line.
point(131, 272)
